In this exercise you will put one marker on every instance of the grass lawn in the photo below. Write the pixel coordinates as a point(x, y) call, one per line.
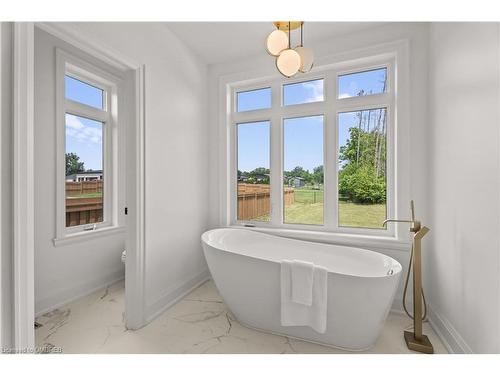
point(86, 195)
point(308, 209)
point(304, 213)
point(350, 214)
point(308, 196)
point(361, 215)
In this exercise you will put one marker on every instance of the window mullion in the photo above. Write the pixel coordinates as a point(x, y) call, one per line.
point(82, 110)
point(330, 151)
point(359, 103)
point(276, 157)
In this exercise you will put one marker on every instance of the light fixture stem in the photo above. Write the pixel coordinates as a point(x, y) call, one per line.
point(301, 34)
point(289, 35)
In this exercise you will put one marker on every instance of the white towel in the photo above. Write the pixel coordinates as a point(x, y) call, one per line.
point(297, 314)
point(302, 282)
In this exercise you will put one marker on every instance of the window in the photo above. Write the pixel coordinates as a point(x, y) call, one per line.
point(362, 192)
point(362, 83)
point(87, 114)
point(319, 157)
point(303, 170)
point(82, 92)
point(303, 92)
point(253, 171)
point(84, 166)
point(253, 99)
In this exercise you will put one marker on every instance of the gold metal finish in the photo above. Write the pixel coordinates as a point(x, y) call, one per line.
point(423, 345)
point(283, 25)
point(416, 340)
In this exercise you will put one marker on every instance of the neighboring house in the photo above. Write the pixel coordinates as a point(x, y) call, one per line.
point(84, 176)
point(297, 182)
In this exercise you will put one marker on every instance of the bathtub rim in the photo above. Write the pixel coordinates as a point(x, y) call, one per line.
point(397, 264)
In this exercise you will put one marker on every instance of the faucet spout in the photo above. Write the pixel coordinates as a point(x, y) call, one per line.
point(395, 221)
point(415, 225)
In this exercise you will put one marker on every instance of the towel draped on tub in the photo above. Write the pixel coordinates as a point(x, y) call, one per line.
point(303, 295)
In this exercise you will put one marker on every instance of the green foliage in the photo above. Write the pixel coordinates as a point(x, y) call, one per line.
point(318, 175)
point(257, 176)
point(366, 154)
point(361, 184)
point(309, 178)
point(73, 164)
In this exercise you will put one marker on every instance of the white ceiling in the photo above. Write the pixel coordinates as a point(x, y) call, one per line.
point(217, 42)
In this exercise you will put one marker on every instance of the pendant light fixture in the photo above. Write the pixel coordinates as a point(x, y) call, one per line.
point(276, 42)
point(289, 61)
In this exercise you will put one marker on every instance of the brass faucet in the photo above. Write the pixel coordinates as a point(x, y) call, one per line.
point(415, 340)
point(415, 225)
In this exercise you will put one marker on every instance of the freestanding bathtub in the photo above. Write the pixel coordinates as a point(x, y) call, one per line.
point(245, 266)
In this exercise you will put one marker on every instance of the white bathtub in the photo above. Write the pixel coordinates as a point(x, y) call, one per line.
point(245, 266)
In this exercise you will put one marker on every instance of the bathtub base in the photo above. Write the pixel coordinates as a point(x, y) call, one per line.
point(303, 339)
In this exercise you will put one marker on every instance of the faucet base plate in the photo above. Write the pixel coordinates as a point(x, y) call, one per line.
point(424, 345)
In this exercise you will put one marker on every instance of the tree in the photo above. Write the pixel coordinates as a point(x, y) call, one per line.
point(318, 175)
point(361, 184)
point(73, 164)
point(258, 175)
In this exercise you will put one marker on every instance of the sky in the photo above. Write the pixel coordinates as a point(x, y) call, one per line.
point(84, 136)
point(302, 137)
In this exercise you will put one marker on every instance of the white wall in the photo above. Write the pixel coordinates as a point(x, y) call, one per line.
point(263, 65)
point(5, 187)
point(463, 260)
point(177, 169)
point(67, 271)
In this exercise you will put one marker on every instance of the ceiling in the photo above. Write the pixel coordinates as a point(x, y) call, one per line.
point(217, 42)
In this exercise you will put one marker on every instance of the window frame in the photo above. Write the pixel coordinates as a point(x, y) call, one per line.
point(330, 107)
point(70, 65)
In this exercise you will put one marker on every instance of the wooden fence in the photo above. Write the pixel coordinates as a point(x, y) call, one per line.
point(74, 189)
point(82, 210)
point(254, 200)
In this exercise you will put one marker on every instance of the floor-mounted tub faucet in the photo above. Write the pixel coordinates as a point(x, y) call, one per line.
point(415, 340)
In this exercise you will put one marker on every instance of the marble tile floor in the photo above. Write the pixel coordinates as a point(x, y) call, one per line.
point(199, 323)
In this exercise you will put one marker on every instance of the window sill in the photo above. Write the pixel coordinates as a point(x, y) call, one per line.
point(344, 239)
point(88, 235)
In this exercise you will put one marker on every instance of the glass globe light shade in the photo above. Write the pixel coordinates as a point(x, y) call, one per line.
point(276, 42)
point(288, 62)
point(306, 57)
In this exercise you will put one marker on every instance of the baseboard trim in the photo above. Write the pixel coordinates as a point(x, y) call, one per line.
point(450, 337)
point(175, 294)
point(72, 294)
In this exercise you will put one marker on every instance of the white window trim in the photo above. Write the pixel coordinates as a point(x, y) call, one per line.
point(395, 57)
point(68, 64)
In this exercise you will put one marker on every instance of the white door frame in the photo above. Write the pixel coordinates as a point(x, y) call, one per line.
point(23, 184)
point(23, 187)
